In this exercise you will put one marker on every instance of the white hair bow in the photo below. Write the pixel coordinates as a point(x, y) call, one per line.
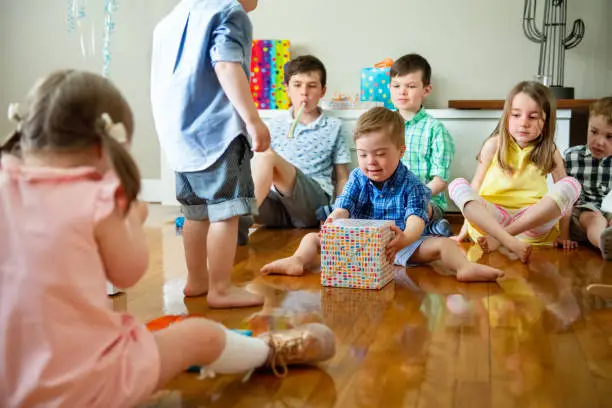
point(13, 115)
point(115, 130)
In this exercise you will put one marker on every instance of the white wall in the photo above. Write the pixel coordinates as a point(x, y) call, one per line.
point(476, 47)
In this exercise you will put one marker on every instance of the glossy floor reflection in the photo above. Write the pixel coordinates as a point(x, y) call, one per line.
point(536, 339)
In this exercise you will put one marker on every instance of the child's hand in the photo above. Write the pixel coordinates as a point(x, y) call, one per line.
point(398, 243)
point(260, 134)
point(336, 214)
point(565, 242)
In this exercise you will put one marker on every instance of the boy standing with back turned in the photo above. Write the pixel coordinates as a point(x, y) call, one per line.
point(205, 116)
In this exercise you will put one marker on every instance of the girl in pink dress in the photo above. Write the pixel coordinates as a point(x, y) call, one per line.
point(70, 221)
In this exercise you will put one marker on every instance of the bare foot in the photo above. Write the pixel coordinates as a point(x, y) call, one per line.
point(287, 266)
point(474, 272)
point(521, 249)
point(234, 297)
point(488, 243)
point(196, 285)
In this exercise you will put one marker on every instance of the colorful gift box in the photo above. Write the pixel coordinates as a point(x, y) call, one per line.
point(268, 72)
point(353, 254)
point(375, 86)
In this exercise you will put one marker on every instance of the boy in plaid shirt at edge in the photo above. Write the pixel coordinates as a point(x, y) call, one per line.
point(383, 188)
point(590, 165)
point(429, 146)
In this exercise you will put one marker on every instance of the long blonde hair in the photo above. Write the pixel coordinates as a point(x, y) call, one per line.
point(543, 153)
point(65, 114)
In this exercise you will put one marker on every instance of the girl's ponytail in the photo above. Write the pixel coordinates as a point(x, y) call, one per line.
point(114, 136)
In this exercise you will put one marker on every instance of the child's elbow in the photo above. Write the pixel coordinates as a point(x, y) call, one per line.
point(127, 273)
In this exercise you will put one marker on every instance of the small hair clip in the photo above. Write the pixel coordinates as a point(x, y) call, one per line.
point(13, 115)
point(116, 131)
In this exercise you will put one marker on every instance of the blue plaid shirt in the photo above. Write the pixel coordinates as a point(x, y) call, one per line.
point(401, 196)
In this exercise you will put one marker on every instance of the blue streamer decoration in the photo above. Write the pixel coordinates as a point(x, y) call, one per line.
point(70, 17)
point(110, 7)
point(77, 11)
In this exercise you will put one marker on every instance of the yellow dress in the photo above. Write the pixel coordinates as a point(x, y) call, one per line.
point(525, 187)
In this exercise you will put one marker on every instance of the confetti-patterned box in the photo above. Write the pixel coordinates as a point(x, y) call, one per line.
point(375, 86)
point(353, 254)
point(268, 73)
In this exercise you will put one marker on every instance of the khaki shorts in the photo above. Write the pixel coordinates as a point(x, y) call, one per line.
point(576, 231)
point(296, 210)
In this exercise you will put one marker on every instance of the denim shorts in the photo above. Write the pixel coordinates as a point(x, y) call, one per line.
point(223, 190)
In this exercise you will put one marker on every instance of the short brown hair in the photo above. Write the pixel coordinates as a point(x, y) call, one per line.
point(381, 119)
point(602, 107)
point(305, 64)
point(65, 114)
point(412, 63)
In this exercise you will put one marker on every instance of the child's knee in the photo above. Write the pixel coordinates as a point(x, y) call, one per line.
point(446, 244)
point(461, 192)
point(588, 219)
point(453, 185)
point(565, 193)
point(435, 246)
point(313, 238)
point(267, 158)
point(209, 332)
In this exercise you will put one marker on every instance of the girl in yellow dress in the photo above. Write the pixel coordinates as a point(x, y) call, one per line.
point(508, 202)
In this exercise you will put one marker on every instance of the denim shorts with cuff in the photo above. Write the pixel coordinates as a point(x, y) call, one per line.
point(223, 190)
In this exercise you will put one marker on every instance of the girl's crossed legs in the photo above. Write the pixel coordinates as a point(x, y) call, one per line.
point(510, 228)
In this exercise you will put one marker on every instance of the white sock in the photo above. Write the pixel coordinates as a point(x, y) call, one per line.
point(241, 353)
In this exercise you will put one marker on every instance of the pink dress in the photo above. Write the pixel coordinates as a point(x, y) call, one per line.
point(60, 343)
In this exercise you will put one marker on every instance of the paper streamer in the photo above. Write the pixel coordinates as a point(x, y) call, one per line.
point(70, 18)
point(110, 6)
point(77, 20)
point(77, 10)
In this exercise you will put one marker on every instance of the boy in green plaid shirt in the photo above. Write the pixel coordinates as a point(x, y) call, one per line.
point(429, 146)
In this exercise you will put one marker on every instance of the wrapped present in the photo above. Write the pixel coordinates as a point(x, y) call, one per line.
point(353, 254)
point(375, 84)
point(268, 73)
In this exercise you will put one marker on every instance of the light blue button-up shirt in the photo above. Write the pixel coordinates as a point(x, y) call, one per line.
point(194, 119)
point(314, 149)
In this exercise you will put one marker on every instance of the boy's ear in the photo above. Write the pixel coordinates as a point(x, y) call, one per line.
point(323, 91)
point(403, 150)
point(427, 90)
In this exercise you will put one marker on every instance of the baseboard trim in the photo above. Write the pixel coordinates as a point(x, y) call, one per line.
point(151, 190)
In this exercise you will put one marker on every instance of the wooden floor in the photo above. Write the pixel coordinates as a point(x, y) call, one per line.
point(536, 339)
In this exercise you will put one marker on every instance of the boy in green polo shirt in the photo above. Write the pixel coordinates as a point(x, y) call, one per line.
point(429, 146)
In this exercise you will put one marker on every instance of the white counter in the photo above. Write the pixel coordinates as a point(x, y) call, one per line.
point(469, 128)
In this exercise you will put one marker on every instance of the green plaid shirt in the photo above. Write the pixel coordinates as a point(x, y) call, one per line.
point(429, 151)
